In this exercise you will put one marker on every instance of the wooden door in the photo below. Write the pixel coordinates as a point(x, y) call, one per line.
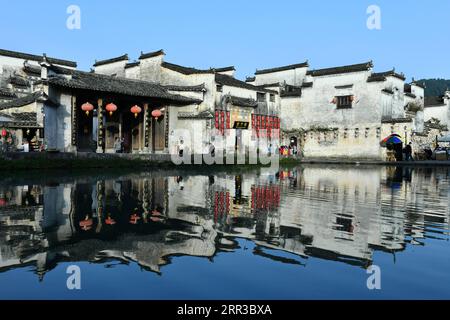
point(158, 134)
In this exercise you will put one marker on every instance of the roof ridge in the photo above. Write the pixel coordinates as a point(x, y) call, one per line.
point(228, 80)
point(229, 68)
point(283, 68)
point(151, 54)
point(110, 60)
point(34, 57)
point(185, 70)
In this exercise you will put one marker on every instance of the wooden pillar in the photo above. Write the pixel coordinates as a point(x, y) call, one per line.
point(166, 129)
point(147, 119)
point(74, 123)
point(100, 203)
point(148, 134)
point(101, 125)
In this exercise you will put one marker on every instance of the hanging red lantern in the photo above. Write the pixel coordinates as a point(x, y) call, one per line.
point(136, 110)
point(156, 114)
point(4, 133)
point(2, 202)
point(87, 107)
point(111, 107)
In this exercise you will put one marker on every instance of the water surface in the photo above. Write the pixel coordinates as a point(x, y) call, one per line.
point(308, 232)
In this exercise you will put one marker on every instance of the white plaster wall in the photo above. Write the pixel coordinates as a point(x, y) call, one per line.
point(359, 142)
point(293, 77)
point(58, 123)
point(150, 69)
point(438, 112)
point(117, 68)
point(170, 77)
point(317, 108)
point(133, 72)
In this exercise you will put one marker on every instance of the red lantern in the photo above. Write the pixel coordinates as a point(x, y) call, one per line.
point(136, 110)
point(4, 133)
point(87, 107)
point(156, 114)
point(111, 107)
point(110, 221)
point(134, 218)
point(86, 224)
point(2, 202)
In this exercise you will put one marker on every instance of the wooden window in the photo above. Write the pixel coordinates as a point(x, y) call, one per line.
point(344, 102)
point(272, 97)
point(260, 97)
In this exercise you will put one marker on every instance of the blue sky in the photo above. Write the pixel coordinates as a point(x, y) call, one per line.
point(248, 34)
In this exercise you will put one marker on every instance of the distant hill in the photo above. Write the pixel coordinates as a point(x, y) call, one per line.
point(435, 87)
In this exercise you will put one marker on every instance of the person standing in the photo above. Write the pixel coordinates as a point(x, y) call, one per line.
point(118, 145)
point(408, 152)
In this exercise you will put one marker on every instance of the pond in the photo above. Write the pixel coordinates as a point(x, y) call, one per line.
point(308, 232)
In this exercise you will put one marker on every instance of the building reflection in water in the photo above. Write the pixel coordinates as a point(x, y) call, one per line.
point(341, 214)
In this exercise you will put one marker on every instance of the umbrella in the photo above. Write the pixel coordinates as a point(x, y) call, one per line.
point(392, 139)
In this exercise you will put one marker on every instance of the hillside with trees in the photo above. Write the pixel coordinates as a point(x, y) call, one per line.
point(435, 87)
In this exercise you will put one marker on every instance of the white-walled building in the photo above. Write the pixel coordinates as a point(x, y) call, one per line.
point(343, 112)
point(230, 108)
point(22, 107)
point(438, 109)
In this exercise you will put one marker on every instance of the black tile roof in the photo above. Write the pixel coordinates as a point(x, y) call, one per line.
point(132, 64)
point(342, 69)
point(396, 120)
point(185, 70)
point(226, 80)
point(190, 115)
point(381, 76)
point(411, 95)
point(112, 60)
point(283, 68)
point(199, 88)
point(19, 81)
point(104, 83)
point(26, 100)
point(5, 92)
point(250, 79)
point(151, 54)
point(407, 88)
point(24, 116)
point(269, 85)
point(242, 102)
point(434, 101)
point(224, 69)
point(374, 77)
point(27, 56)
point(22, 119)
point(32, 70)
point(307, 84)
point(421, 85)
